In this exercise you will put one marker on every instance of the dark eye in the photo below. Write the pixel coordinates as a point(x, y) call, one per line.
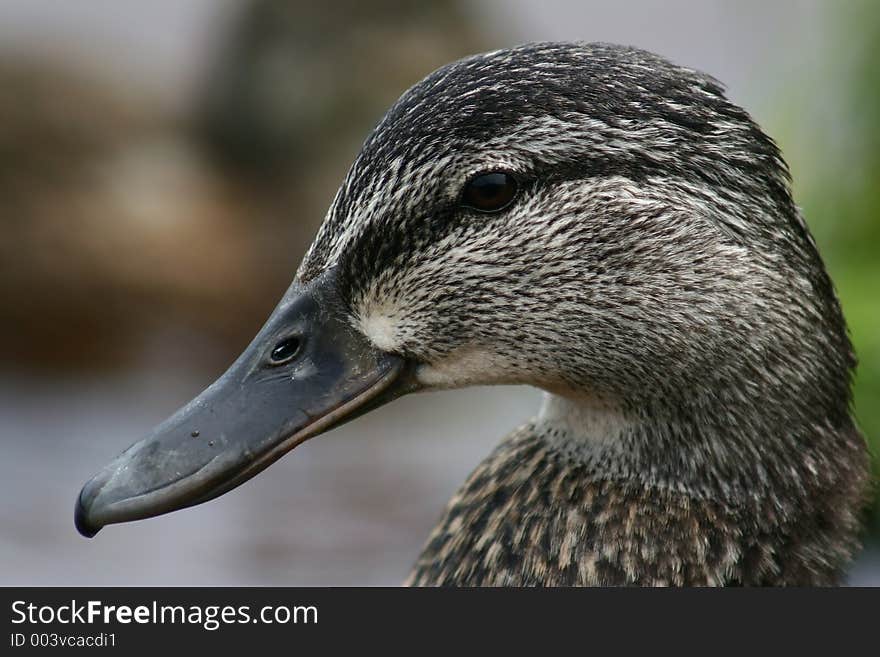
point(490, 192)
point(285, 350)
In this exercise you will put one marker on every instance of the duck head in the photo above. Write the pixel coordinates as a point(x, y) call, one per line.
point(588, 219)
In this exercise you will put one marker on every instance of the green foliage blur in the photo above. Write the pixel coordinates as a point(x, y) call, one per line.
point(840, 196)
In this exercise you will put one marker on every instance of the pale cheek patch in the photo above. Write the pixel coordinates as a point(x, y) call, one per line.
point(381, 328)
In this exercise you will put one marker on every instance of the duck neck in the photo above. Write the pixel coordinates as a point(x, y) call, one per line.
point(588, 493)
point(655, 449)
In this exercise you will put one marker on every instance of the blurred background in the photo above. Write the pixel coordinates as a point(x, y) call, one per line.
point(163, 167)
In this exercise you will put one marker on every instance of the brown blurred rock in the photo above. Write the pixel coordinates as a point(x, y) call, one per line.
point(110, 223)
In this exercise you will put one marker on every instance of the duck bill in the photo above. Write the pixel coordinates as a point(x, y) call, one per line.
point(260, 409)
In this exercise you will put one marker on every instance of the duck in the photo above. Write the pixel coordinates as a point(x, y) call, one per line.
point(602, 224)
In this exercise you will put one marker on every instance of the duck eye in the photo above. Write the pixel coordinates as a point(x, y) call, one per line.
point(285, 351)
point(489, 192)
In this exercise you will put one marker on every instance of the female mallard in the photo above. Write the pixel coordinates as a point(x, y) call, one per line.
point(602, 224)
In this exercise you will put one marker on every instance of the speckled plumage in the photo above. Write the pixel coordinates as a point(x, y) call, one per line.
point(655, 277)
point(531, 516)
